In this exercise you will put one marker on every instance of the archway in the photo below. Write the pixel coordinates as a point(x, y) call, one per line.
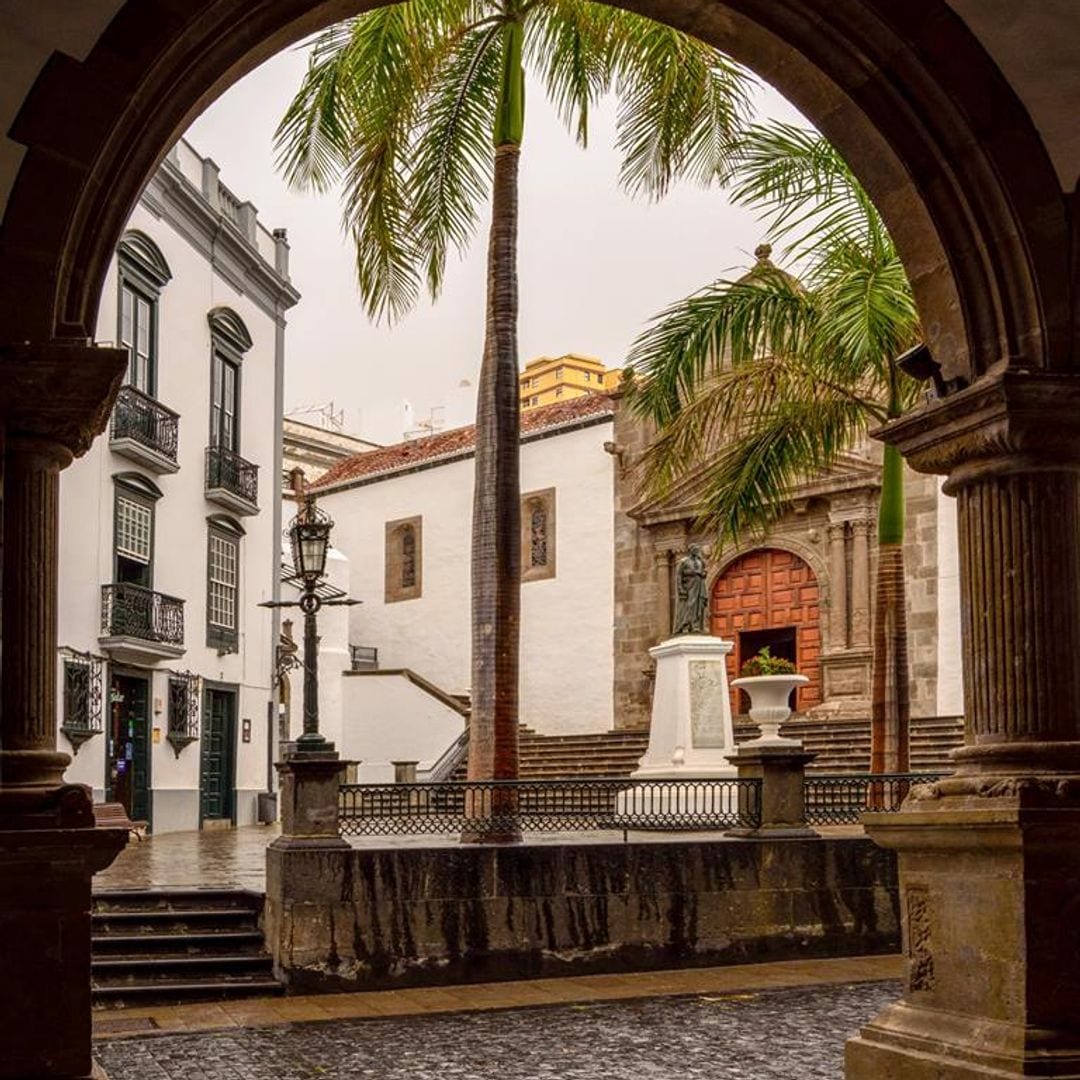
point(770, 597)
point(952, 157)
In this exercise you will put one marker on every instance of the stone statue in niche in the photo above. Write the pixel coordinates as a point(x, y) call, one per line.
point(693, 600)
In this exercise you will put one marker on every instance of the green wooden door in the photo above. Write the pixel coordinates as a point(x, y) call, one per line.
point(218, 770)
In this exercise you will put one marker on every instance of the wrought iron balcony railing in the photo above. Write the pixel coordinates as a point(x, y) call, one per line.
point(134, 612)
point(228, 472)
point(138, 417)
point(496, 806)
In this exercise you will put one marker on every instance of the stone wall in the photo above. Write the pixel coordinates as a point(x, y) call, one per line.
point(357, 919)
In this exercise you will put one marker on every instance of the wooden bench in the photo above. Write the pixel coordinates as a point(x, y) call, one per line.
point(113, 815)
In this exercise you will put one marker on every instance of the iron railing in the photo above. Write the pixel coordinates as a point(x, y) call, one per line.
point(183, 715)
point(83, 715)
point(363, 657)
point(132, 611)
point(139, 417)
point(496, 807)
point(230, 472)
point(841, 800)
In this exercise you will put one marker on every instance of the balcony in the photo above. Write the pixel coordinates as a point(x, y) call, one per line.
point(145, 431)
point(232, 481)
point(139, 625)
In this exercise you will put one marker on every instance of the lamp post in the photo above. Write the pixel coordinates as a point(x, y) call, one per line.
point(309, 536)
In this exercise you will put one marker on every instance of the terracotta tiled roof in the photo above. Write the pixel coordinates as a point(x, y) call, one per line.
point(459, 441)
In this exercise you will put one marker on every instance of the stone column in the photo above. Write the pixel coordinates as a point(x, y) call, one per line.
point(54, 400)
point(662, 572)
point(838, 598)
point(782, 772)
point(860, 583)
point(990, 857)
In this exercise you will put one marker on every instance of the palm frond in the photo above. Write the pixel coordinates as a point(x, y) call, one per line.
point(682, 105)
point(727, 324)
point(569, 46)
point(452, 154)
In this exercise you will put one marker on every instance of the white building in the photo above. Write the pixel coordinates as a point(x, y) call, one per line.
point(403, 520)
point(170, 524)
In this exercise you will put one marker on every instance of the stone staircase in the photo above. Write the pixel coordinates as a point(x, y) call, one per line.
point(842, 746)
point(171, 944)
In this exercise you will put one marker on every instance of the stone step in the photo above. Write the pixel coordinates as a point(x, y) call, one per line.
point(165, 945)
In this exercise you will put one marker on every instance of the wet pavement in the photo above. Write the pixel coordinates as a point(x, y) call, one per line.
point(793, 1034)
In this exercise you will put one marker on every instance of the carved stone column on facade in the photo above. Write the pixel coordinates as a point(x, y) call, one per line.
point(54, 400)
point(662, 570)
point(860, 583)
point(990, 857)
point(838, 593)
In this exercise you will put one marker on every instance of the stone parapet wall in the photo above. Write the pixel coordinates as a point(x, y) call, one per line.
point(407, 916)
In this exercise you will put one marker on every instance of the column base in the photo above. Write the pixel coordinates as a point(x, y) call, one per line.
point(45, 877)
point(990, 902)
point(906, 1042)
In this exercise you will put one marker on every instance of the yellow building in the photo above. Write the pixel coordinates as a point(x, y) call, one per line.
point(558, 378)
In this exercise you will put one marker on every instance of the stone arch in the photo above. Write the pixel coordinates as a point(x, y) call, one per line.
point(907, 93)
point(766, 593)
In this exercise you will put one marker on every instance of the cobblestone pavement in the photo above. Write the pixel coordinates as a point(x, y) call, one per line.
point(784, 1034)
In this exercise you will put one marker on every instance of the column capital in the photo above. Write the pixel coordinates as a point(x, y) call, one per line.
point(58, 393)
point(837, 530)
point(862, 526)
point(1009, 422)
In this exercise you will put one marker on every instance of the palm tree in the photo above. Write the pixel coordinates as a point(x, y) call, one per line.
point(772, 378)
point(418, 109)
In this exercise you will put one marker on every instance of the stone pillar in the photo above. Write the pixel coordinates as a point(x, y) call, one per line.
point(662, 571)
point(838, 597)
point(782, 772)
point(860, 583)
point(309, 786)
point(990, 858)
point(55, 399)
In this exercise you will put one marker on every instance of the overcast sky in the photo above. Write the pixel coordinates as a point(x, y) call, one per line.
point(595, 264)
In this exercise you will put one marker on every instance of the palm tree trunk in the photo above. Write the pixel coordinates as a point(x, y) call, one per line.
point(496, 546)
point(891, 693)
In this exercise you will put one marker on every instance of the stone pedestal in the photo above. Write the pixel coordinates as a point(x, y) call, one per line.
point(781, 768)
point(990, 903)
point(691, 732)
point(309, 784)
point(45, 1014)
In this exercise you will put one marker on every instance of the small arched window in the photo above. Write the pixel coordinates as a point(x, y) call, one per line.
point(538, 534)
point(408, 557)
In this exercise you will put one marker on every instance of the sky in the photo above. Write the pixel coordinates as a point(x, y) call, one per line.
point(595, 265)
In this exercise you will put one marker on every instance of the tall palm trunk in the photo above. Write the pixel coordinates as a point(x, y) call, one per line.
point(890, 700)
point(496, 546)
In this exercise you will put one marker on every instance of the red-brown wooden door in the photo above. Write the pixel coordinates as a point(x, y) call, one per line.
point(770, 590)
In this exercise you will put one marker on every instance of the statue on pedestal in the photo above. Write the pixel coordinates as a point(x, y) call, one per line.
point(693, 600)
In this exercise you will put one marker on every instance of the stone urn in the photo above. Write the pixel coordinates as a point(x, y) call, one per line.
point(769, 708)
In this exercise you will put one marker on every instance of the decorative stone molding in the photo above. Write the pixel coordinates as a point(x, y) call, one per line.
point(403, 582)
point(538, 553)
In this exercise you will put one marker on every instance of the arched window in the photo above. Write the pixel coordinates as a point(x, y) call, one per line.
point(143, 273)
point(408, 557)
point(538, 534)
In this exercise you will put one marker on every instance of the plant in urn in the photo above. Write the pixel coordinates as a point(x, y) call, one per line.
point(769, 680)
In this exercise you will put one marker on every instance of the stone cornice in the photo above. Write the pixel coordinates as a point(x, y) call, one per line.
point(60, 394)
point(1010, 421)
point(172, 196)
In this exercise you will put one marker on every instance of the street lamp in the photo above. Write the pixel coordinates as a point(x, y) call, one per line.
point(309, 538)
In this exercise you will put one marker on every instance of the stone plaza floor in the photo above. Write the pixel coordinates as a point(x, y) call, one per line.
point(788, 1034)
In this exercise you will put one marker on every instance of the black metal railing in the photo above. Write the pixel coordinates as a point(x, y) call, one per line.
point(363, 657)
point(183, 715)
point(841, 800)
point(132, 611)
point(139, 417)
point(232, 473)
point(83, 715)
point(499, 806)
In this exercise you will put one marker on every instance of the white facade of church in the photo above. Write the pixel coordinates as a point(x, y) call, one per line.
point(169, 526)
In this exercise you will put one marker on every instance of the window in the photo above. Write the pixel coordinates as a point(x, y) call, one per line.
point(133, 530)
point(535, 400)
point(143, 272)
point(408, 557)
point(538, 535)
point(138, 317)
point(231, 340)
point(82, 704)
point(183, 715)
point(223, 587)
point(558, 373)
point(588, 377)
point(404, 559)
point(558, 391)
